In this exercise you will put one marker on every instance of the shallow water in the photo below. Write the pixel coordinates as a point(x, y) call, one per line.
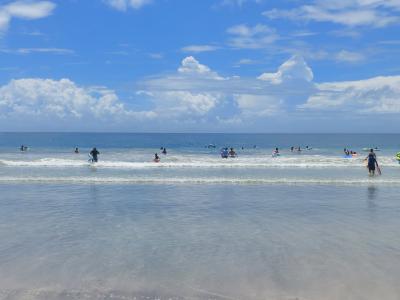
point(199, 242)
point(195, 226)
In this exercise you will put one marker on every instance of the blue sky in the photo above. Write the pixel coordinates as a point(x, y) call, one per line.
point(208, 66)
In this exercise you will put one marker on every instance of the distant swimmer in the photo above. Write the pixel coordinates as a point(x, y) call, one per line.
point(164, 151)
point(308, 148)
point(224, 153)
point(94, 154)
point(292, 148)
point(232, 153)
point(156, 158)
point(298, 149)
point(23, 148)
point(76, 150)
point(372, 163)
point(276, 153)
point(211, 146)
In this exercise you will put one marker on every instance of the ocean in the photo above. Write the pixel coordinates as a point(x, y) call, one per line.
point(304, 225)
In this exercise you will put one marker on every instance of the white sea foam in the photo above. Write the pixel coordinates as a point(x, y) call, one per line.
point(309, 161)
point(198, 180)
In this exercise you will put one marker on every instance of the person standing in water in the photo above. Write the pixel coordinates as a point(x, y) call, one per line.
point(372, 162)
point(76, 150)
point(164, 151)
point(94, 154)
point(156, 157)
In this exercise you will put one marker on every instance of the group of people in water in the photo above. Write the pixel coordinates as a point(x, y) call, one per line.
point(225, 153)
point(298, 149)
point(348, 152)
point(371, 159)
point(156, 157)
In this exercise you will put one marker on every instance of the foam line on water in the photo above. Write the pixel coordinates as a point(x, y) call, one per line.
point(198, 180)
point(205, 162)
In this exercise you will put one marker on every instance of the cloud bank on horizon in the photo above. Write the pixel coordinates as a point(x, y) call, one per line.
point(266, 75)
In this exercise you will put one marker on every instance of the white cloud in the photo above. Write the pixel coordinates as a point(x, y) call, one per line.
point(349, 56)
point(28, 10)
point(259, 105)
point(199, 48)
point(238, 2)
point(246, 61)
point(197, 95)
point(24, 51)
point(294, 69)
point(373, 13)
point(191, 66)
point(182, 94)
point(196, 90)
point(123, 5)
point(61, 99)
point(375, 95)
point(156, 55)
point(245, 37)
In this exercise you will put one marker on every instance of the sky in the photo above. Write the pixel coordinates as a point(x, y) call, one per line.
point(200, 66)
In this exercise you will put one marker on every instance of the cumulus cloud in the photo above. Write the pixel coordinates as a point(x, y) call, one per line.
point(375, 13)
point(256, 37)
point(192, 67)
point(197, 90)
point(28, 10)
point(379, 95)
point(61, 99)
point(293, 69)
point(196, 94)
point(123, 5)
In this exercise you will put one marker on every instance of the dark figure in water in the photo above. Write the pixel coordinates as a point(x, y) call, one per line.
point(232, 153)
point(164, 151)
point(372, 162)
point(22, 148)
point(224, 153)
point(156, 157)
point(76, 150)
point(292, 148)
point(94, 154)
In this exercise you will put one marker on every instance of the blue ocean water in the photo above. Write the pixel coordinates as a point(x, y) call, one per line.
point(308, 225)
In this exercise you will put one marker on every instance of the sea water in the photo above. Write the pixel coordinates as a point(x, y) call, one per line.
point(305, 225)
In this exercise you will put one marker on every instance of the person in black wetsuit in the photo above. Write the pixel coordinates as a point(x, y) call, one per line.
point(164, 151)
point(372, 162)
point(94, 154)
point(76, 150)
point(156, 158)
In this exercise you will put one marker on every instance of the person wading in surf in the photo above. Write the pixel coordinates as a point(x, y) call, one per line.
point(372, 162)
point(94, 154)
